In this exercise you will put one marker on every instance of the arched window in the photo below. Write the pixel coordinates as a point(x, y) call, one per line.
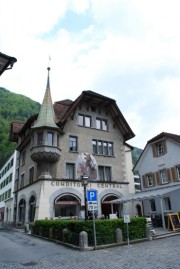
point(32, 208)
point(108, 208)
point(22, 210)
point(67, 206)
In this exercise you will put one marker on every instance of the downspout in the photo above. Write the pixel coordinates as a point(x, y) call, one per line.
point(162, 213)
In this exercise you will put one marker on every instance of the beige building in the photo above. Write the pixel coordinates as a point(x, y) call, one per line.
point(66, 142)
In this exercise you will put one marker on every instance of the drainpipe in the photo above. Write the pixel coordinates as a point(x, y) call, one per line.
point(162, 213)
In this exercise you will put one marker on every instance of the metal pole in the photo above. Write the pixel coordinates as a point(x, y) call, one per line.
point(127, 234)
point(162, 214)
point(94, 230)
point(85, 203)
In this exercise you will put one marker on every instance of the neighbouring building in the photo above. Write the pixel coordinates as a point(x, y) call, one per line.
point(64, 143)
point(7, 176)
point(159, 170)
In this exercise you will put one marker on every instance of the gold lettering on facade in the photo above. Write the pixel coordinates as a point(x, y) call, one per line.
point(78, 184)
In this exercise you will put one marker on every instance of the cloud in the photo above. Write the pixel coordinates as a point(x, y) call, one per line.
point(125, 49)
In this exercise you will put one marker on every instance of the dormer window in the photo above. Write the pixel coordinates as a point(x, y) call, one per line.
point(159, 148)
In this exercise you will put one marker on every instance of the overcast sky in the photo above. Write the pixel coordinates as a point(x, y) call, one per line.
point(128, 50)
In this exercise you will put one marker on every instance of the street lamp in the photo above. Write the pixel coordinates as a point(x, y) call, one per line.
point(6, 62)
point(84, 181)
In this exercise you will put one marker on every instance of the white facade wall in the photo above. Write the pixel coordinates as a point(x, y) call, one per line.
point(8, 171)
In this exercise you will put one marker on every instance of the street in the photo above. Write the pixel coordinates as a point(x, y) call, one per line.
point(19, 250)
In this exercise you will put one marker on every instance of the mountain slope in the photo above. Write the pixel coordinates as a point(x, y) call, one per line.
point(13, 107)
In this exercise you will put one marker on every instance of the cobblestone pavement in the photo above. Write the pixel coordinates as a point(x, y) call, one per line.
point(21, 251)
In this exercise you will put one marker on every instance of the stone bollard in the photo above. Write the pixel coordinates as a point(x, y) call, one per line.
point(119, 237)
point(148, 233)
point(64, 234)
point(83, 240)
point(50, 233)
point(26, 228)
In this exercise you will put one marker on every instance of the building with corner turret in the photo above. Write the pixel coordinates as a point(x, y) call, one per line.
point(64, 143)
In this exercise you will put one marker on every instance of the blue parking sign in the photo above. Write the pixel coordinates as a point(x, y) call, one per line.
point(92, 196)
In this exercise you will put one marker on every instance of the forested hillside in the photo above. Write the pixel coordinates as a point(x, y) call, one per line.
point(12, 107)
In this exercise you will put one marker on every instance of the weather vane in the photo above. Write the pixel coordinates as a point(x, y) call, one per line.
point(49, 61)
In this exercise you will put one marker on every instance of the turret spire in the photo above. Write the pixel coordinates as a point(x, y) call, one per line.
point(46, 117)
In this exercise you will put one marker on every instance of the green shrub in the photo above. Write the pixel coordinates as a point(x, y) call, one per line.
point(104, 228)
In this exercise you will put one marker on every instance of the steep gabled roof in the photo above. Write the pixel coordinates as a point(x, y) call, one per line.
point(174, 137)
point(95, 99)
point(66, 108)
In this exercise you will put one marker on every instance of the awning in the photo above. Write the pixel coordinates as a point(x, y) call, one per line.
point(145, 195)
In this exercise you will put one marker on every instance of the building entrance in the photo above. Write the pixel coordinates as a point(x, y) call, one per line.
point(108, 208)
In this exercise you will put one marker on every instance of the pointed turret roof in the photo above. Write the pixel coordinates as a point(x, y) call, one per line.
point(46, 117)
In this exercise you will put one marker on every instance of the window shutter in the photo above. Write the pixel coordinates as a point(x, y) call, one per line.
point(173, 173)
point(164, 146)
point(154, 150)
point(144, 179)
point(168, 174)
point(158, 178)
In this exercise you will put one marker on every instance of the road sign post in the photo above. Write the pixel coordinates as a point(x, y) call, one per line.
point(127, 220)
point(92, 206)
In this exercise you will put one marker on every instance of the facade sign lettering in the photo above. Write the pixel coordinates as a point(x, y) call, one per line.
point(56, 183)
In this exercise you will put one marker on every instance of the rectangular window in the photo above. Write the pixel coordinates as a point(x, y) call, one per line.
point(70, 168)
point(31, 174)
point(149, 180)
point(163, 176)
point(94, 143)
point(178, 171)
point(73, 143)
point(160, 149)
point(9, 193)
point(23, 157)
point(101, 124)
point(50, 139)
point(22, 181)
point(40, 138)
point(84, 120)
point(153, 205)
point(10, 177)
point(58, 141)
point(167, 203)
point(104, 173)
point(102, 147)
